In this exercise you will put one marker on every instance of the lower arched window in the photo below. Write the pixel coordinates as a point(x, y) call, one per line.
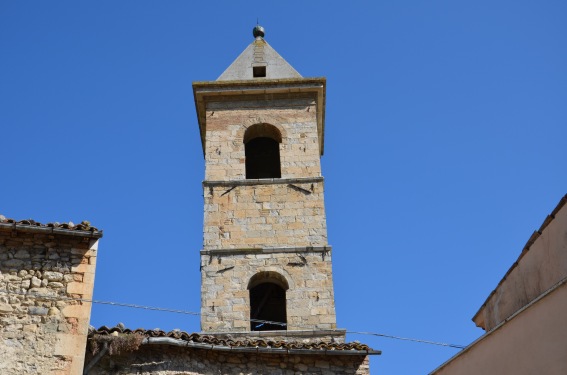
point(267, 303)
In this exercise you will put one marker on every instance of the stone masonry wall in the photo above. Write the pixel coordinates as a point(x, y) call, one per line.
point(283, 220)
point(275, 215)
point(40, 331)
point(227, 122)
point(166, 360)
point(225, 300)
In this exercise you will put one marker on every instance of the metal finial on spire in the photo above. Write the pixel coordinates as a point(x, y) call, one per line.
point(258, 31)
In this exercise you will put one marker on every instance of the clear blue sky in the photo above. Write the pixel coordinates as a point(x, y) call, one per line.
point(445, 146)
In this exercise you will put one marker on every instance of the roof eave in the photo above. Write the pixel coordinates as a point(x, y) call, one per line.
point(50, 230)
point(535, 235)
point(178, 342)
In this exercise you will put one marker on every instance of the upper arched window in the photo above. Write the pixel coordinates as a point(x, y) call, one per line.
point(262, 150)
point(268, 302)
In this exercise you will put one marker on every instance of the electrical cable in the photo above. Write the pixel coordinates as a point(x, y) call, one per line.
point(192, 313)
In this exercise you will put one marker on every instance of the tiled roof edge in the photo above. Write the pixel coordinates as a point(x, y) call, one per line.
point(84, 229)
point(256, 344)
point(535, 235)
point(257, 349)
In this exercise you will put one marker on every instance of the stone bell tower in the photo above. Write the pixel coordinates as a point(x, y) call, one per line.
point(265, 262)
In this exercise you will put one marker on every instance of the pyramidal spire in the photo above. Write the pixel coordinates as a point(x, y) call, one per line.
point(258, 61)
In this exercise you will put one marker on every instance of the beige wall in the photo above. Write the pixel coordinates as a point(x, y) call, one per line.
point(40, 331)
point(541, 265)
point(533, 342)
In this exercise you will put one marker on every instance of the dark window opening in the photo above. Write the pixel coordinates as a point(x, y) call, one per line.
point(267, 302)
point(259, 71)
point(262, 158)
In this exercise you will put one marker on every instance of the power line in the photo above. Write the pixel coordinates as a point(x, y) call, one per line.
point(408, 339)
point(193, 313)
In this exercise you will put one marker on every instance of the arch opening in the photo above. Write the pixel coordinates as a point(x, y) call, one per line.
point(262, 151)
point(268, 301)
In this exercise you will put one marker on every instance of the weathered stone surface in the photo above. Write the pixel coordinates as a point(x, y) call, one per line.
point(36, 310)
point(31, 324)
point(6, 308)
point(35, 282)
point(276, 214)
point(14, 263)
point(53, 276)
point(166, 360)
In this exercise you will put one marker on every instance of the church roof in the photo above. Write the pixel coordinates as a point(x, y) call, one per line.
point(259, 61)
point(83, 229)
point(180, 338)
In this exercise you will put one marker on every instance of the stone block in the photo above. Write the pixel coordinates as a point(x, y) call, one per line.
point(76, 311)
point(82, 267)
point(29, 328)
point(14, 263)
point(52, 276)
point(70, 345)
point(5, 308)
point(37, 310)
point(79, 288)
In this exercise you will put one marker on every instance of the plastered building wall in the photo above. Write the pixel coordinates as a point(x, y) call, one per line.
point(541, 265)
point(533, 342)
point(41, 331)
point(525, 315)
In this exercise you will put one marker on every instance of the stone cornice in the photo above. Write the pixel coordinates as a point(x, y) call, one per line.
point(263, 181)
point(267, 250)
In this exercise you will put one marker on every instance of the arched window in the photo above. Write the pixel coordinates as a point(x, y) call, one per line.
point(262, 150)
point(268, 301)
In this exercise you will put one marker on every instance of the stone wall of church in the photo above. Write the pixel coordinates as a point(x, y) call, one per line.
point(162, 360)
point(225, 299)
point(41, 331)
point(272, 215)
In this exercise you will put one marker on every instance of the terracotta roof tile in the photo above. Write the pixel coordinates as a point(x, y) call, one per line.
point(83, 226)
point(248, 343)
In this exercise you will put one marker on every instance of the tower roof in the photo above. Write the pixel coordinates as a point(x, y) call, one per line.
point(259, 72)
point(259, 60)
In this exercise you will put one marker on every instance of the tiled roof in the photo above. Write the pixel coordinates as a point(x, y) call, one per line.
point(229, 343)
point(84, 226)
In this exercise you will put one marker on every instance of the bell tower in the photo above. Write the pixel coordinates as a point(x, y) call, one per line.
point(265, 262)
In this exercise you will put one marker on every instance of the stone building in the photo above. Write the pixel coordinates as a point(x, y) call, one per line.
point(46, 274)
point(267, 300)
point(525, 317)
